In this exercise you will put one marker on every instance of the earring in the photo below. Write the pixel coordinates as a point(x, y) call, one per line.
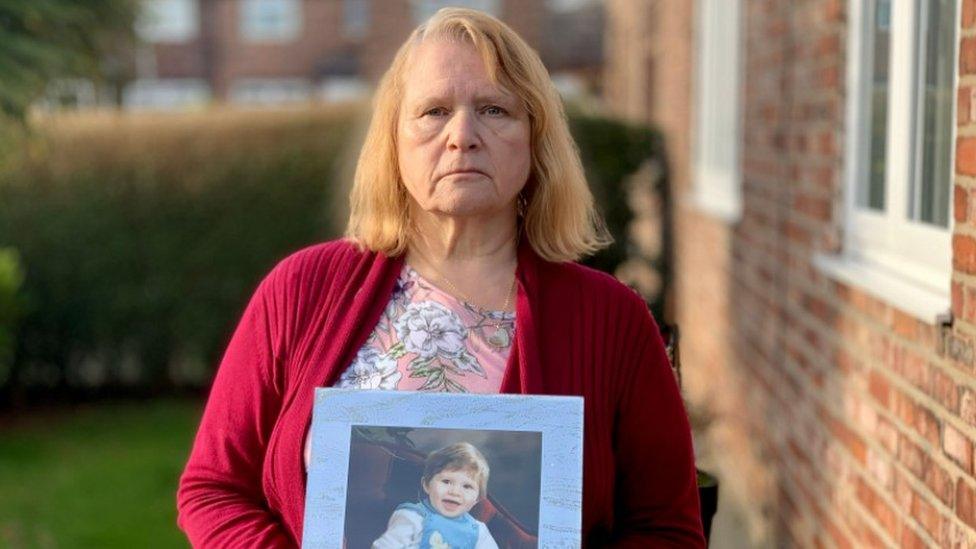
point(521, 205)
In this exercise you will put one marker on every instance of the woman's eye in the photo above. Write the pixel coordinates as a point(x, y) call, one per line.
point(436, 111)
point(495, 110)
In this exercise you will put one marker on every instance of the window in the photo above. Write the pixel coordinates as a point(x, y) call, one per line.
point(168, 20)
point(269, 91)
point(926, 70)
point(271, 20)
point(166, 94)
point(356, 18)
point(898, 166)
point(424, 9)
point(718, 133)
point(338, 89)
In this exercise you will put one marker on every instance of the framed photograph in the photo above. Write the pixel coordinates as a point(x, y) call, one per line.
point(392, 469)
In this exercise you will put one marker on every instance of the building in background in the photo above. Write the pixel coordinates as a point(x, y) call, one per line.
point(823, 155)
point(195, 52)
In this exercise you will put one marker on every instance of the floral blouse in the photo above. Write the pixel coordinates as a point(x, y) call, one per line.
point(428, 340)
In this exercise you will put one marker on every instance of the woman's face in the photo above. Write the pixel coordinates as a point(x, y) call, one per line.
point(462, 142)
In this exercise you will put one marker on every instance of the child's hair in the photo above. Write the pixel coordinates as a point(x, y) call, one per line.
point(461, 456)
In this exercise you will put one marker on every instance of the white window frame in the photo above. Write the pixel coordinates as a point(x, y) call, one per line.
point(166, 94)
point(716, 163)
point(904, 262)
point(252, 31)
point(342, 89)
point(270, 92)
point(168, 21)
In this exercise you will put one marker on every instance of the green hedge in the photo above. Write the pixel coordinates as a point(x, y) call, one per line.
point(611, 152)
point(142, 236)
point(11, 307)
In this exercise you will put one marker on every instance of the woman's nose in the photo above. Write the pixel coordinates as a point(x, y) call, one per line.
point(463, 131)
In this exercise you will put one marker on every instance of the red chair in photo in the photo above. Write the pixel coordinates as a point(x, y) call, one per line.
point(384, 475)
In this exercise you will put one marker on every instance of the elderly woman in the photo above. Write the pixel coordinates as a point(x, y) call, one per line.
point(456, 274)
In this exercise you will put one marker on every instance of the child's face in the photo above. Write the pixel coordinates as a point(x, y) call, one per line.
point(452, 492)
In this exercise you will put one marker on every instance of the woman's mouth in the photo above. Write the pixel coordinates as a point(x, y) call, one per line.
point(466, 173)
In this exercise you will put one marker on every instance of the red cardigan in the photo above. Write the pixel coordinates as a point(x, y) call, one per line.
point(578, 332)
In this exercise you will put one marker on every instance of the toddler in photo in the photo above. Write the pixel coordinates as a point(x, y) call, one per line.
point(455, 479)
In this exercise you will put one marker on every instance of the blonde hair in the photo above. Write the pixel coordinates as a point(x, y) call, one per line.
point(558, 219)
point(461, 456)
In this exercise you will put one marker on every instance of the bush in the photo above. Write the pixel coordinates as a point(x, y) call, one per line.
point(11, 279)
point(612, 151)
point(144, 235)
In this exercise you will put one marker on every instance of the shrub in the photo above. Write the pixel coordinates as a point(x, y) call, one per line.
point(612, 151)
point(144, 235)
point(11, 307)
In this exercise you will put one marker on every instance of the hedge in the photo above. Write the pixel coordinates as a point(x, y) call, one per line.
point(11, 308)
point(142, 236)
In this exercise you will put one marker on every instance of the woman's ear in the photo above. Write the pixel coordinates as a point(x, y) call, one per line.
point(423, 486)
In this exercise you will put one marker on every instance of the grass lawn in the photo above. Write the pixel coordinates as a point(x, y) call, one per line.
point(101, 475)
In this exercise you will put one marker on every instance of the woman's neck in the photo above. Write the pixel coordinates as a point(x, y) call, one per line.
point(472, 258)
point(451, 243)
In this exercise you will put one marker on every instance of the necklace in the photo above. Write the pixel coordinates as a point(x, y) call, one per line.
point(500, 338)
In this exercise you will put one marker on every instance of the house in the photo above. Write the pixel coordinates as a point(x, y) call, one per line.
point(823, 160)
point(279, 51)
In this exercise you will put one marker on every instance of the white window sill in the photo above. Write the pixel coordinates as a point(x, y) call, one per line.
point(915, 298)
point(722, 206)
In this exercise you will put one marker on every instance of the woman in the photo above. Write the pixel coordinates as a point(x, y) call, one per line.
point(469, 206)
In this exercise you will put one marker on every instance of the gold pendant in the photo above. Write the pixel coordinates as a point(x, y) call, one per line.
point(500, 338)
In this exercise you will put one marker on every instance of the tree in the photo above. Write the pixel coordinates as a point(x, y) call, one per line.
point(42, 40)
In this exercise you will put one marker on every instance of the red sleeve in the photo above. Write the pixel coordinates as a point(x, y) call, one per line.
point(220, 497)
point(657, 491)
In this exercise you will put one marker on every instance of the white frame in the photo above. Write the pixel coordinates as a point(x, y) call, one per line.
point(890, 252)
point(718, 110)
point(558, 418)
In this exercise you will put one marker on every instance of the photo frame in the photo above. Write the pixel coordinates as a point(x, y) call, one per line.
point(422, 456)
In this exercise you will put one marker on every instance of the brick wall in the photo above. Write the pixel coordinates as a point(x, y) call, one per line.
point(957, 383)
point(839, 420)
